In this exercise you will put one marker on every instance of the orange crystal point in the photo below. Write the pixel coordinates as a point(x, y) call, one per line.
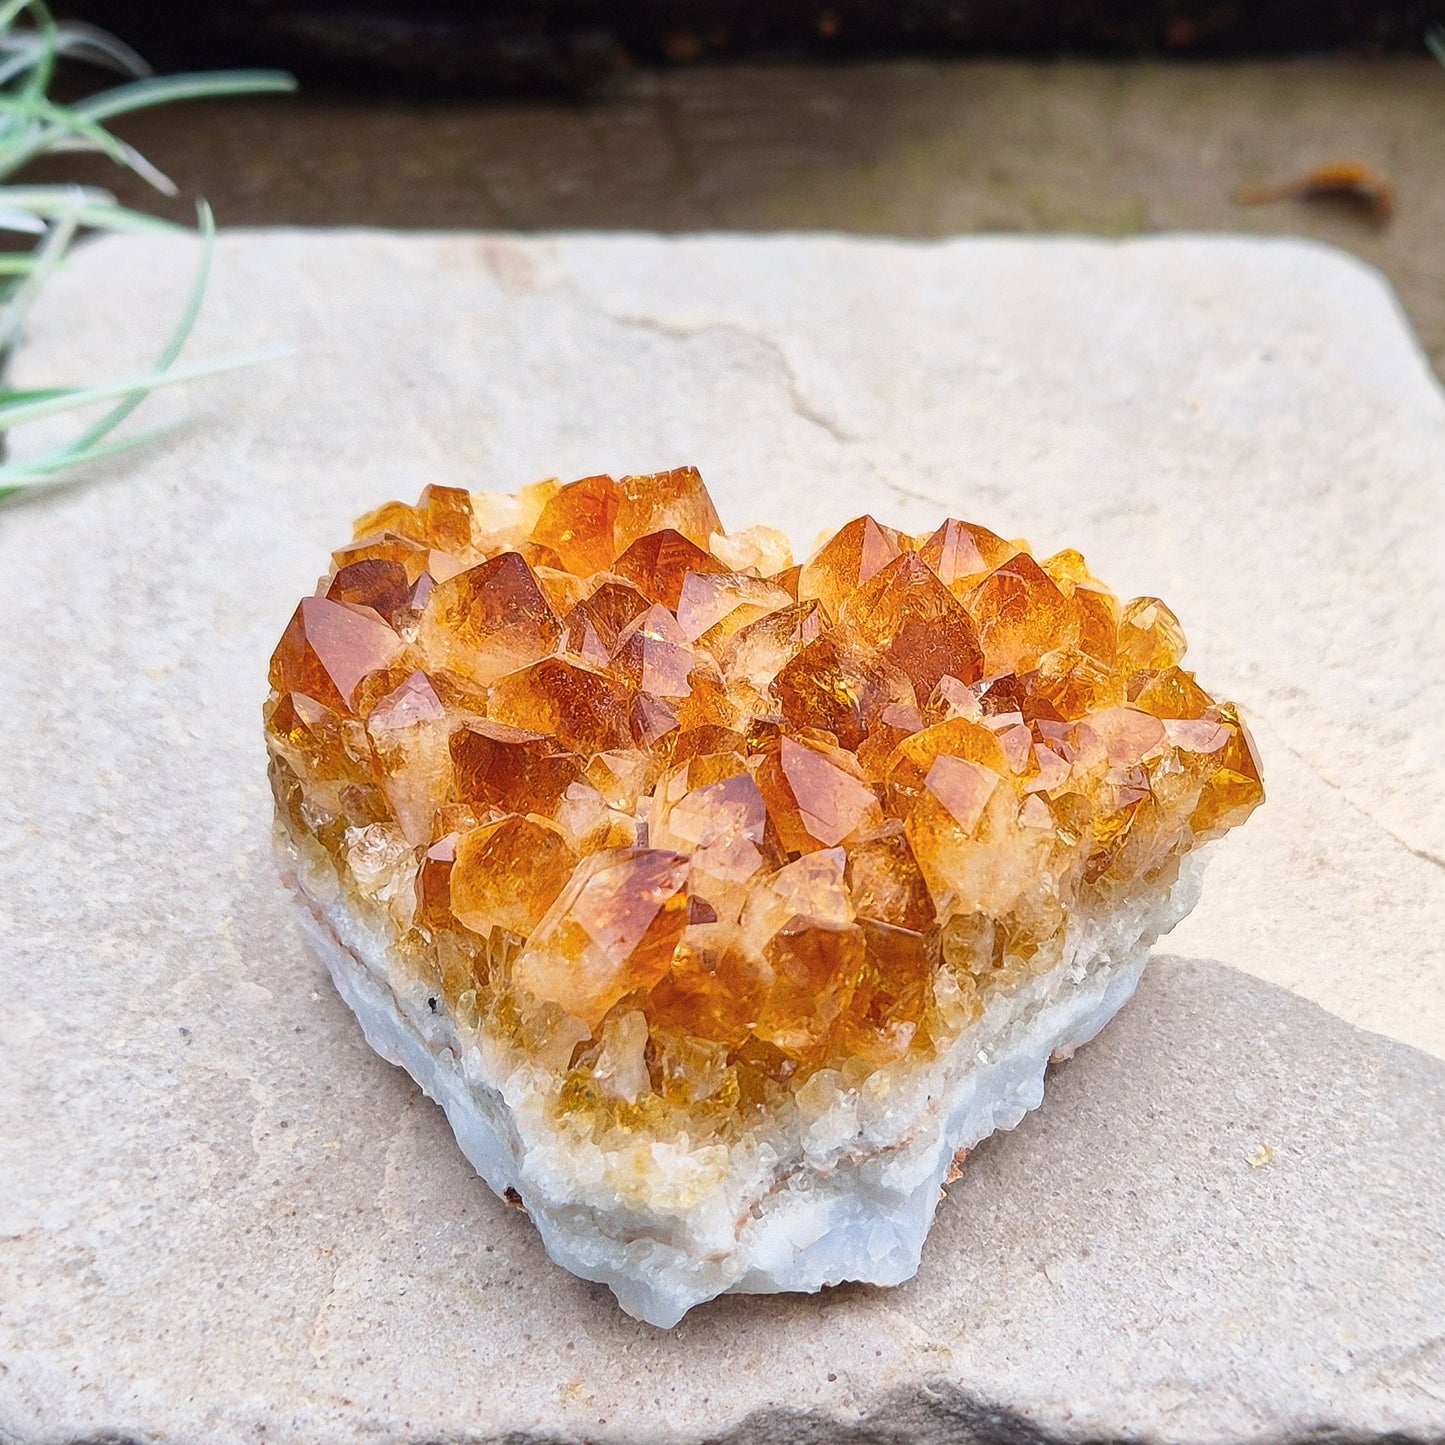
point(489, 620)
point(314, 740)
point(446, 517)
point(591, 629)
point(713, 605)
point(441, 519)
point(388, 547)
point(835, 684)
point(702, 837)
point(885, 881)
point(658, 564)
point(653, 655)
point(962, 554)
point(508, 874)
point(723, 827)
point(887, 1013)
point(584, 710)
point(613, 929)
point(1021, 615)
point(376, 583)
point(396, 518)
point(434, 887)
point(408, 732)
point(817, 795)
point(757, 653)
point(963, 787)
point(510, 768)
point(852, 556)
point(1233, 790)
point(579, 524)
point(974, 852)
point(914, 757)
point(802, 920)
point(675, 501)
point(1150, 636)
point(917, 624)
point(713, 991)
point(328, 648)
point(1170, 693)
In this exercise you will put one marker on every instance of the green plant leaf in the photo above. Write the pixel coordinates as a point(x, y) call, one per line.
point(68, 399)
point(165, 89)
point(46, 257)
point(32, 124)
point(99, 210)
point(68, 126)
point(11, 396)
point(53, 468)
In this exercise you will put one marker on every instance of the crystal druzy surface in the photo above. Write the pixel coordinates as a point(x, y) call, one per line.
point(703, 835)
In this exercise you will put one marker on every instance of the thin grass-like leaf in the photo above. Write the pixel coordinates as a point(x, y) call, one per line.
point(206, 222)
point(31, 124)
point(131, 387)
point(59, 193)
point(47, 45)
point(21, 222)
point(54, 467)
point(82, 41)
point(18, 59)
point(10, 10)
point(103, 216)
point(163, 90)
point(46, 256)
point(139, 94)
point(128, 156)
point(63, 121)
point(10, 396)
point(96, 214)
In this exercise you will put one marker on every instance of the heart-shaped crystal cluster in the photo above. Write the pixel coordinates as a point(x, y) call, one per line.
point(687, 825)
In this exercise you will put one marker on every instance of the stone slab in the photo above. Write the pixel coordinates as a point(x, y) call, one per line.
point(221, 1217)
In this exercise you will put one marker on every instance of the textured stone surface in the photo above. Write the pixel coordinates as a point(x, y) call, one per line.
point(222, 1212)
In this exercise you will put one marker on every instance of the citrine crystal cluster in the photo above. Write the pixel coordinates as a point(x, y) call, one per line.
point(721, 899)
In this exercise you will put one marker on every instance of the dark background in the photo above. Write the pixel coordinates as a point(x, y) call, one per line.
point(571, 46)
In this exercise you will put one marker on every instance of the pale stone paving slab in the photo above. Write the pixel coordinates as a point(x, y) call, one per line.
point(221, 1212)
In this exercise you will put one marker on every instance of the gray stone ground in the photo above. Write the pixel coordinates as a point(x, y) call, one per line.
point(224, 1219)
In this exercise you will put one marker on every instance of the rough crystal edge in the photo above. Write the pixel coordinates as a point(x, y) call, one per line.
point(855, 1222)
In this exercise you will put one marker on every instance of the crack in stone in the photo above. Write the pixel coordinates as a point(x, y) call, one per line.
point(676, 331)
point(798, 402)
point(1423, 854)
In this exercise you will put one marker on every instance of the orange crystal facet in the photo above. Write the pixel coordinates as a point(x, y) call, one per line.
point(329, 647)
point(489, 620)
point(916, 623)
point(613, 929)
point(675, 500)
point(579, 524)
point(649, 793)
point(851, 557)
point(660, 562)
point(508, 874)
